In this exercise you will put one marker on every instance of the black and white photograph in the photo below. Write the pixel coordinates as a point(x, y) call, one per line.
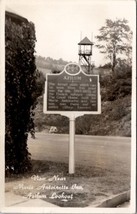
point(68, 106)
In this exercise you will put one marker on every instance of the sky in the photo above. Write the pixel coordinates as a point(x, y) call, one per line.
point(61, 24)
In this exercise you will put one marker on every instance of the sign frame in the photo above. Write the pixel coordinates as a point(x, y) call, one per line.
point(69, 113)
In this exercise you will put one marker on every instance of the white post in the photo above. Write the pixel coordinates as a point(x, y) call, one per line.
point(71, 144)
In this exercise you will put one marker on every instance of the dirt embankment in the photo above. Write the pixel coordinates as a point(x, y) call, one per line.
point(115, 118)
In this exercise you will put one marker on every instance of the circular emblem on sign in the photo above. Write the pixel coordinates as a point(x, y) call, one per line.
point(72, 68)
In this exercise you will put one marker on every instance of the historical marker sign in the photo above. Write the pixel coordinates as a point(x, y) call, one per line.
point(72, 91)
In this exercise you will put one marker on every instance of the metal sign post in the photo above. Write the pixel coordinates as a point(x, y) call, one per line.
point(72, 144)
point(72, 93)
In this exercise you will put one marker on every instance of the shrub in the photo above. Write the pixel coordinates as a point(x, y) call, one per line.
point(20, 91)
point(40, 82)
point(83, 124)
point(118, 85)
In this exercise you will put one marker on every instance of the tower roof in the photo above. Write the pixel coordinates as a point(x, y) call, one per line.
point(85, 41)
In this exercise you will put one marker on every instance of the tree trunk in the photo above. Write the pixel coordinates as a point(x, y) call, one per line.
point(113, 62)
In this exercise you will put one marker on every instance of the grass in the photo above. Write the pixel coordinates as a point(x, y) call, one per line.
point(90, 184)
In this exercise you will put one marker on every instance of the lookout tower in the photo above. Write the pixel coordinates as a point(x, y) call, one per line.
point(85, 53)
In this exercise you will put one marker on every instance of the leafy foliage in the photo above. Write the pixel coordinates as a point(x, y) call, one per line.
point(83, 124)
point(20, 93)
point(105, 66)
point(117, 86)
point(115, 39)
point(40, 82)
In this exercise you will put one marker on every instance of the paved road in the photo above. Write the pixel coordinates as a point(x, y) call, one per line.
point(107, 152)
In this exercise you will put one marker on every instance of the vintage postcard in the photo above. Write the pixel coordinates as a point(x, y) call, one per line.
point(68, 106)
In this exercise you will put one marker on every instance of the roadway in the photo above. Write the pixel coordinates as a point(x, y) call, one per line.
point(100, 151)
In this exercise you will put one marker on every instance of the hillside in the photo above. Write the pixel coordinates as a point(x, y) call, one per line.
point(114, 120)
point(48, 65)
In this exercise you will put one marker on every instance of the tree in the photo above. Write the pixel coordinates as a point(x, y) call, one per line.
point(114, 40)
point(20, 91)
